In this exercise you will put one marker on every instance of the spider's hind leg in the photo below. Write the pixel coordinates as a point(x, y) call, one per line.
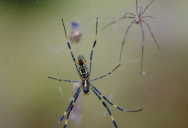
point(70, 107)
point(151, 33)
point(94, 88)
point(108, 109)
point(142, 47)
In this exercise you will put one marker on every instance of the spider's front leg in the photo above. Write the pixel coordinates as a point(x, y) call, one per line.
point(133, 16)
point(70, 49)
point(91, 56)
point(147, 7)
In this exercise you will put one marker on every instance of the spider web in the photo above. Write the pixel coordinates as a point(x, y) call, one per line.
point(33, 47)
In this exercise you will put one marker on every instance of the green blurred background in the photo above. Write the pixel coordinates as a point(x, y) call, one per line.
point(33, 46)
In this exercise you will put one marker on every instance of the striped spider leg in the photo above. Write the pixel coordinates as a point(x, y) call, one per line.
point(100, 96)
point(69, 109)
point(85, 84)
point(106, 74)
point(138, 19)
point(95, 89)
point(63, 80)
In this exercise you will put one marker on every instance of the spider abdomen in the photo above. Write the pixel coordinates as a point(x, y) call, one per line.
point(137, 19)
point(82, 66)
point(84, 72)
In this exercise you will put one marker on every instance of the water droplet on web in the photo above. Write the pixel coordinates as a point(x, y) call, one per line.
point(144, 73)
point(111, 95)
point(60, 89)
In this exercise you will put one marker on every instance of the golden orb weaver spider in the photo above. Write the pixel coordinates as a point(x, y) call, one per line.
point(85, 83)
point(137, 19)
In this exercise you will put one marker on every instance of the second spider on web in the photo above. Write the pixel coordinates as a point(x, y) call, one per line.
point(138, 19)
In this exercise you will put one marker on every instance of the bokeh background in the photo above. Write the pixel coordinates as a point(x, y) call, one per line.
point(33, 47)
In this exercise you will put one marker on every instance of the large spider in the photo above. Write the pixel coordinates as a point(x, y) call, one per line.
point(137, 19)
point(85, 83)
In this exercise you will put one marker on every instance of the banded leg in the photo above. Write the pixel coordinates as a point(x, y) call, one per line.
point(63, 80)
point(124, 39)
point(69, 107)
point(104, 104)
point(147, 7)
point(64, 114)
point(66, 121)
point(120, 19)
point(106, 74)
point(93, 87)
point(70, 48)
point(93, 46)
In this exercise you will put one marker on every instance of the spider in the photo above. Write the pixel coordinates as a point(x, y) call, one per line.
point(138, 19)
point(76, 33)
point(85, 83)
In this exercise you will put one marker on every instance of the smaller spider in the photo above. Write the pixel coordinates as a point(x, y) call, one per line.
point(138, 20)
point(76, 32)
